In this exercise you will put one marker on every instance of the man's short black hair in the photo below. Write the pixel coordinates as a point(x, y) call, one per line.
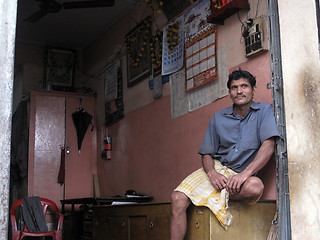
point(237, 74)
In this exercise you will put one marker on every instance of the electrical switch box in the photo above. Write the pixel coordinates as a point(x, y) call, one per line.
point(254, 38)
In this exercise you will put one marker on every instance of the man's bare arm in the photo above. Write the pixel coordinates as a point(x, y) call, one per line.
point(265, 152)
point(217, 180)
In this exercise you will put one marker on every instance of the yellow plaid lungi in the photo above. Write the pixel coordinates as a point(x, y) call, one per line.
point(201, 192)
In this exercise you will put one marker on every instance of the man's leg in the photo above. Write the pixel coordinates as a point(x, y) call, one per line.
point(178, 222)
point(251, 190)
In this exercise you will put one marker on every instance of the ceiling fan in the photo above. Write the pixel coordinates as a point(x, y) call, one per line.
point(52, 6)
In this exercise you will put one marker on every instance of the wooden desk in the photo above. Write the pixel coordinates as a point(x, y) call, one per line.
point(103, 201)
point(84, 201)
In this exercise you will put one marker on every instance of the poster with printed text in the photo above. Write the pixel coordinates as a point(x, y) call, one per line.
point(111, 82)
point(173, 46)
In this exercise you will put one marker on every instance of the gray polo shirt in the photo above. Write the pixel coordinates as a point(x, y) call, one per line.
point(235, 140)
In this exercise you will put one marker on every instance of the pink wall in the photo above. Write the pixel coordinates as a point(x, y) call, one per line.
point(152, 152)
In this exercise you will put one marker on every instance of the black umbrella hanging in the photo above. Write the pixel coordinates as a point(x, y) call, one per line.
point(81, 121)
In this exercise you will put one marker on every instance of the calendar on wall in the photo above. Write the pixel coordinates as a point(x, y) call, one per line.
point(200, 47)
point(201, 61)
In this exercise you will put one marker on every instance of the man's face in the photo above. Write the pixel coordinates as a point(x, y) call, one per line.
point(241, 92)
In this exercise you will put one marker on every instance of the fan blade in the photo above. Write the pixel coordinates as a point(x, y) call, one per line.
point(46, 6)
point(36, 16)
point(88, 4)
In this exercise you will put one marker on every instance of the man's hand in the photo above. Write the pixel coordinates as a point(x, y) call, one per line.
point(217, 180)
point(265, 152)
point(235, 182)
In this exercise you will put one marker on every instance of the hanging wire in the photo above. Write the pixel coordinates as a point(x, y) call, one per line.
point(155, 22)
point(133, 19)
point(133, 2)
point(95, 75)
point(104, 68)
point(240, 18)
point(242, 27)
point(257, 8)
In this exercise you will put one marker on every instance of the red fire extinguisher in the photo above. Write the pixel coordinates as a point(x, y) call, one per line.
point(108, 146)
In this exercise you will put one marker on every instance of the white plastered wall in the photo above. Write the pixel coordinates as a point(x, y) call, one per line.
point(8, 9)
point(301, 78)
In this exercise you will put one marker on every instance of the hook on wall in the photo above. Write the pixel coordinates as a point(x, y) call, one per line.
point(80, 108)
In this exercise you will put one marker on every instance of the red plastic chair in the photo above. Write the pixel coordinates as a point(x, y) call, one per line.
point(17, 235)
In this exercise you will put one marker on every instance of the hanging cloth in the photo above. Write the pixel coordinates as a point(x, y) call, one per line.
point(61, 176)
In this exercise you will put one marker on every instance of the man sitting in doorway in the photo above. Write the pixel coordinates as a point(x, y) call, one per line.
point(239, 141)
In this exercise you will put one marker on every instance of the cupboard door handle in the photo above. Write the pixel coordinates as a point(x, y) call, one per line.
point(197, 223)
point(123, 224)
point(151, 225)
point(68, 150)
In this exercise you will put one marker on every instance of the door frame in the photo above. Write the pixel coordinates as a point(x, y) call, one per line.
point(283, 220)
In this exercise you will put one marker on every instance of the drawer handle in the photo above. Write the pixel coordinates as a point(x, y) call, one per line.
point(151, 225)
point(123, 224)
point(197, 224)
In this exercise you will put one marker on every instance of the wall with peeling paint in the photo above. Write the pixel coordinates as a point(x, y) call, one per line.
point(301, 78)
point(7, 33)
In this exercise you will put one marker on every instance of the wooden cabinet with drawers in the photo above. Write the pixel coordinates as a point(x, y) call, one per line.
point(152, 222)
point(250, 222)
point(143, 221)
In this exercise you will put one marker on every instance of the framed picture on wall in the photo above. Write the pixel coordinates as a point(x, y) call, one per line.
point(138, 56)
point(60, 67)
